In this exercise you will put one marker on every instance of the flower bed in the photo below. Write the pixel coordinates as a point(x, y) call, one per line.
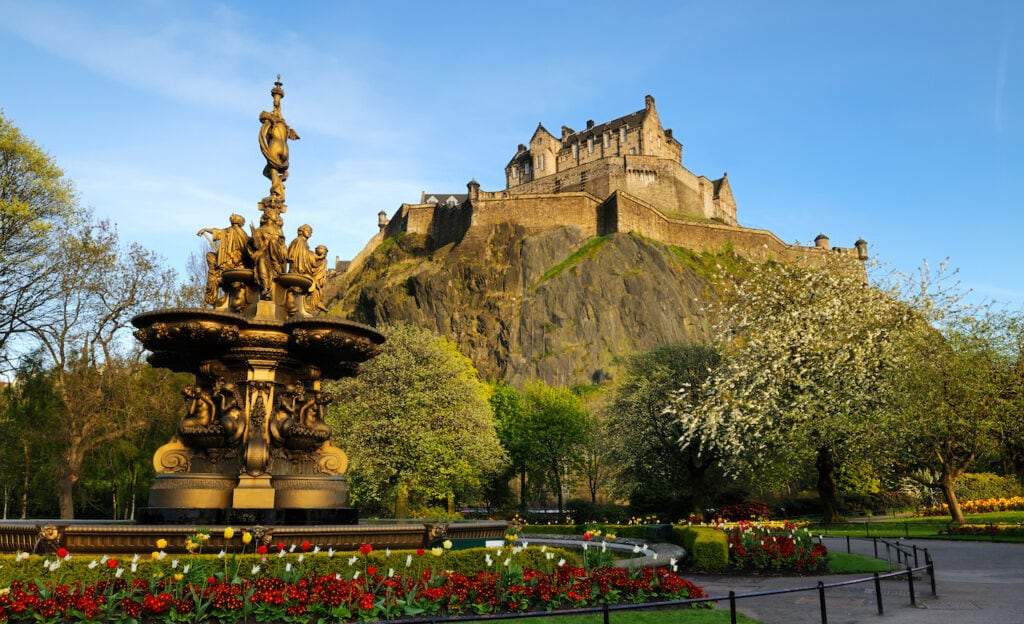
point(981, 505)
point(775, 546)
point(286, 584)
point(986, 530)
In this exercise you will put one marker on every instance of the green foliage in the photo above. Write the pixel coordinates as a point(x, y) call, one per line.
point(708, 547)
point(36, 201)
point(588, 250)
point(415, 422)
point(975, 485)
point(654, 464)
point(553, 428)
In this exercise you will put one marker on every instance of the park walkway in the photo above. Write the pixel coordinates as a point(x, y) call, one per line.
point(977, 583)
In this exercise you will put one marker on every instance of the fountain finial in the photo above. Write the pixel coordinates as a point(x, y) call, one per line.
point(273, 137)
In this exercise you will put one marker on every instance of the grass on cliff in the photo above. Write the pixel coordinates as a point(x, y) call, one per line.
point(712, 265)
point(588, 250)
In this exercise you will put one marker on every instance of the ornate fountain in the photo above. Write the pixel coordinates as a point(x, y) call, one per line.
point(252, 443)
point(252, 449)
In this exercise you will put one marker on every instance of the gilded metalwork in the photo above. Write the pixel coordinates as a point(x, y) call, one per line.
point(274, 135)
point(255, 414)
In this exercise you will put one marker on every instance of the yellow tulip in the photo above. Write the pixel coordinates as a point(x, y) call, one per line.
point(246, 537)
point(229, 533)
point(161, 543)
point(155, 555)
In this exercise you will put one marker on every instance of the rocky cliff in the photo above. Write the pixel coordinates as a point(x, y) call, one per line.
point(553, 305)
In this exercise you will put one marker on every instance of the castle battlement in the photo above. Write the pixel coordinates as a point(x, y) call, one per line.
point(624, 175)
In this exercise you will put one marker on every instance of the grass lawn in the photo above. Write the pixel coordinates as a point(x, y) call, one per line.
point(919, 526)
point(662, 616)
point(843, 563)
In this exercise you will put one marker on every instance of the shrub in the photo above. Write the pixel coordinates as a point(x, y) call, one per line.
point(708, 547)
point(977, 485)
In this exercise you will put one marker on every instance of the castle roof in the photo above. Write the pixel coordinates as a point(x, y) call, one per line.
point(632, 120)
point(450, 199)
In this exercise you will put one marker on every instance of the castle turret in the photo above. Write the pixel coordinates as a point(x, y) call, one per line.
point(821, 242)
point(862, 249)
point(382, 220)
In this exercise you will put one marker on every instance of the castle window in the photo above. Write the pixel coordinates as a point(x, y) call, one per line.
point(622, 134)
point(575, 151)
point(590, 145)
point(558, 186)
point(607, 139)
point(632, 150)
point(540, 163)
point(515, 172)
point(583, 177)
point(526, 169)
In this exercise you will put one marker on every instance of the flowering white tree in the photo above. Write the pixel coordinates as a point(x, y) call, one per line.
point(806, 355)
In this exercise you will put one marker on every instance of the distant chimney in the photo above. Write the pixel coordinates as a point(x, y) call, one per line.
point(648, 102)
point(590, 124)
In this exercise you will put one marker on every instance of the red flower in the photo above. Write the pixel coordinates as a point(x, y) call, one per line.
point(280, 546)
point(62, 552)
point(366, 549)
point(371, 570)
point(586, 536)
point(111, 563)
point(261, 549)
point(420, 552)
point(305, 545)
point(211, 580)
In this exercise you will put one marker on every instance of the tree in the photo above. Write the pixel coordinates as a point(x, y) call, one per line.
point(82, 331)
point(655, 464)
point(553, 430)
point(954, 397)
point(806, 356)
point(416, 423)
point(35, 198)
point(509, 414)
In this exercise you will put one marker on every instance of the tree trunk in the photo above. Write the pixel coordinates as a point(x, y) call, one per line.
point(26, 479)
point(699, 495)
point(522, 492)
point(827, 489)
point(65, 497)
point(402, 501)
point(946, 485)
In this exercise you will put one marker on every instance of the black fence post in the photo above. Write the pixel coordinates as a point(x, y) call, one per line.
point(848, 551)
point(732, 606)
point(931, 570)
point(878, 593)
point(604, 612)
point(916, 564)
point(874, 540)
point(906, 529)
point(910, 585)
point(821, 598)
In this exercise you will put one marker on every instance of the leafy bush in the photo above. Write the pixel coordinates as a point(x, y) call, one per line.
point(977, 485)
point(708, 547)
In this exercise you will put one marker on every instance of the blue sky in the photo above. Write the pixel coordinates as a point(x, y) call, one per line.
point(899, 122)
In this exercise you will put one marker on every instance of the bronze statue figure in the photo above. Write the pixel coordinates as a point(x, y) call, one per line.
point(274, 135)
point(268, 252)
point(229, 252)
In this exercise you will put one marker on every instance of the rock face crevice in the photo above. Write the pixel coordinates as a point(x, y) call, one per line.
point(556, 305)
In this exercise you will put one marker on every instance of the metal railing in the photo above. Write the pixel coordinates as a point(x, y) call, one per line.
point(903, 554)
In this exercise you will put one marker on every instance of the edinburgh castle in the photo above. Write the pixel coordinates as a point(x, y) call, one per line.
point(624, 175)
